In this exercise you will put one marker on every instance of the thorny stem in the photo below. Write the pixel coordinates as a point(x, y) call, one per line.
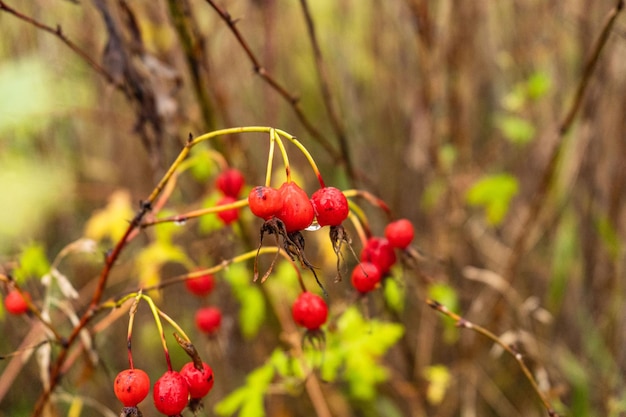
point(325, 89)
point(58, 32)
point(223, 265)
point(178, 218)
point(465, 324)
point(112, 256)
point(371, 198)
point(282, 91)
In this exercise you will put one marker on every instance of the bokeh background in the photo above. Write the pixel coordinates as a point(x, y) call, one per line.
point(450, 111)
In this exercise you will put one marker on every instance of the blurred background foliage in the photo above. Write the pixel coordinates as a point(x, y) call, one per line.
point(448, 111)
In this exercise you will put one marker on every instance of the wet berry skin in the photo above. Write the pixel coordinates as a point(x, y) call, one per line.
point(200, 286)
point(379, 251)
point(230, 182)
point(264, 202)
point(330, 205)
point(131, 386)
point(170, 393)
point(227, 216)
point(400, 233)
point(365, 277)
point(15, 303)
point(309, 311)
point(199, 382)
point(297, 211)
point(208, 319)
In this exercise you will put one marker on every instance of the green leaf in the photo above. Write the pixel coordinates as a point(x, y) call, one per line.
point(438, 377)
point(111, 221)
point(394, 293)
point(494, 194)
point(355, 349)
point(516, 129)
point(153, 257)
point(538, 85)
point(210, 222)
point(252, 304)
point(248, 399)
point(33, 263)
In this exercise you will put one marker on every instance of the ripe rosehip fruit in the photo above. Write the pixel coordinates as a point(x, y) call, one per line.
point(227, 216)
point(400, 233)
point(208, 319)
point(230, 182)
point(379, 251)
point(170, 393)
point(199, 382)
point(297, 211)
point(264, 202)
point(365, 277)
point(201, 285)
point(131, 387)
point(15, 303)
point(309, 310)
point(330, 205)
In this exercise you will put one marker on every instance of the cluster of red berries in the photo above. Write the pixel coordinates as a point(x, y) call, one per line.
point(378, 255)
point(230, 182)
point(208, 319)
point(16, 303)
point(171, 393)
point(295, 209)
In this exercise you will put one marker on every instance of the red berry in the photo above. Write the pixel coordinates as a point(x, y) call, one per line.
point(227, 216)
point(379, 251)
point(230, 182)
point(170, 393)
point(297, 212)
point(15, 303)
point(208, 319)
point(131, 387)
point(309, 310)
point(201, 285)
point(199, 382)
point(264, 202)
point(330, 205)
point(400, 233)
point(365, 277)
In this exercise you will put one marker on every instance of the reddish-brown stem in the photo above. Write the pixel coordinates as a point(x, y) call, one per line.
point(465, 324)
point(58, 32)
point(276, 86)
point(55, 372)
point(325, 90)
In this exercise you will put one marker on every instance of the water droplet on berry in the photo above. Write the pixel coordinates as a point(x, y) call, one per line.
point(313, 227)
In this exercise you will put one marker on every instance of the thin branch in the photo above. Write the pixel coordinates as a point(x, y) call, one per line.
point(326, 92)
point(194, 54)
point(293, 100)
point(547, 176)
point(58, 32)
point(465, 324)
